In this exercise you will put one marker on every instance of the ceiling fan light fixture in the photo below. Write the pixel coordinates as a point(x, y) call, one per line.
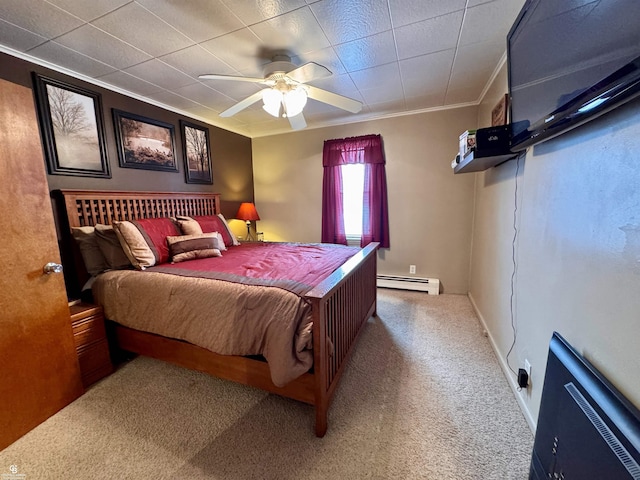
point(272, 99)
point(294, 101)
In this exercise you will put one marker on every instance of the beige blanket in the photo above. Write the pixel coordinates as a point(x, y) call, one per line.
point(224, 317)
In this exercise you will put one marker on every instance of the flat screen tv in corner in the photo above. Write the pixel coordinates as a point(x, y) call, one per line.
point(569, 62)
point(586, 429)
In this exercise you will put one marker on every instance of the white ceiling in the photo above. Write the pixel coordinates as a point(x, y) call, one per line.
point(396, 56)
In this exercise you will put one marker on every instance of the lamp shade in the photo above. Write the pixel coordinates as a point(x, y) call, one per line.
point(247, 212)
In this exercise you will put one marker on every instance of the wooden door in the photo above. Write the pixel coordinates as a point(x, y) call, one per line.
point(39, 372)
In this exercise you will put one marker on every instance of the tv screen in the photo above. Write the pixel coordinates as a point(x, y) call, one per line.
point(568, 62)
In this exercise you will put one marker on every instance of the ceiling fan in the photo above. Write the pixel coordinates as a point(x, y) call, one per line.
point(287, 90)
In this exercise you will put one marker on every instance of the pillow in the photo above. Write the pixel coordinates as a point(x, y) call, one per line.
point(94, 260)
point(213, 223)
point(134, 245)
point(111, 248)
point(189, 247)
point(155, 231)
point(234, 240)
point(189, 226)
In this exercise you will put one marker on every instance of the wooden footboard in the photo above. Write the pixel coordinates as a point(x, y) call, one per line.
point(341, 304)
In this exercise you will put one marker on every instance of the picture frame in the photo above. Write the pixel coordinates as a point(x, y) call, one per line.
point(144, 143)
point(71, 123)
point(196, 153)
point(500, 112)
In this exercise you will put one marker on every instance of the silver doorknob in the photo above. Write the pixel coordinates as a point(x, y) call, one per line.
point(51, 267)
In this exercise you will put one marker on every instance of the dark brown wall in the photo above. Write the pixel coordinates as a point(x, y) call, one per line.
point(230, 152)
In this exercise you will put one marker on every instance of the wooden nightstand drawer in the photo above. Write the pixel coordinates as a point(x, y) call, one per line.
point(88, 330)
point(90, 337)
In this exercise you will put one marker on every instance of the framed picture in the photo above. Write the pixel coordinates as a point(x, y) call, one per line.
point(499, 112)
point(144, 143)
point(197, 158)
point(72, 129)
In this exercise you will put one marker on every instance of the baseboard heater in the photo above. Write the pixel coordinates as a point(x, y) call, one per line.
point(429, 285)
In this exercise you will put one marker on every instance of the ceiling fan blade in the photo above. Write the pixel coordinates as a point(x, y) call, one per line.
point(242, 104)
point(324, 96)
point(297, 122)
point(213, 76)
point(308, 72)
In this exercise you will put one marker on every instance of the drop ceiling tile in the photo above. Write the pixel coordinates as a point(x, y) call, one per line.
point(426, 74)
point(234, 91)
point(88, 10)
point(173, 100)
point(326, 57)
point(129, 83)
point(38, 17)
point(18, 38)
point(340, 84)
point(384, 76)
point(103, 47)
point(463, 95)
point(204, 112)
point(125, 22)
point(346, 20)
point(199, 20)
point(60, 55)
point(367, 52)
point(195, 61)
point(254, 11)
point(296, 32)
point(500, 14)
point(428, 36)
point(241, 50)
point(426, 101)
point(386, 108)
point(475, 64)
point(204, 95)
point(404, 12)
point(161, 74)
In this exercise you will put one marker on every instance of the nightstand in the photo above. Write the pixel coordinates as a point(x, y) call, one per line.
point(90, 338)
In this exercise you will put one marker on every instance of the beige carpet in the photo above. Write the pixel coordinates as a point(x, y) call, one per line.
point(423, 397)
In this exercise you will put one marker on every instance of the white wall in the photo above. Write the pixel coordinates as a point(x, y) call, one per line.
point(577, 249)
point(430, 209)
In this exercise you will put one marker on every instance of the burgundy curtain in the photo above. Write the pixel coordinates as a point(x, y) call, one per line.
point(375, 222)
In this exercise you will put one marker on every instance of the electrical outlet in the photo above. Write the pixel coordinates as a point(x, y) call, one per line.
point(527, 368)
point(412, 269)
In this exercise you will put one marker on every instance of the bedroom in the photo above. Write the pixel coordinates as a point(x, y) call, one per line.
point(578, 244)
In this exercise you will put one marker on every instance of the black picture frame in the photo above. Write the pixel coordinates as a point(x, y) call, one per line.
point(71, 123)
point(196, 153)
point(144, 143)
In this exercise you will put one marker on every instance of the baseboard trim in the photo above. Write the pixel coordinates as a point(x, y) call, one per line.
point(505, 369)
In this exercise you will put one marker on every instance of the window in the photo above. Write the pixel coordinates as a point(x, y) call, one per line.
point(354, 191)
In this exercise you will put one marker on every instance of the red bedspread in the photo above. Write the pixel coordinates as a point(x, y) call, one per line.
point(291, 266)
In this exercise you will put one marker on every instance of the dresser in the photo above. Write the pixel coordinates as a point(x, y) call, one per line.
point(87, 321)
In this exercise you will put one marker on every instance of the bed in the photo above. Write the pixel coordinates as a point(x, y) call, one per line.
point(340, 304)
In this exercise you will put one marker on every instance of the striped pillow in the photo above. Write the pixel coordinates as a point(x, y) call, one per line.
point(190, 247)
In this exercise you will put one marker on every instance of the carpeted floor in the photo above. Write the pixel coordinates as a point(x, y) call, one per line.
point(423, 397)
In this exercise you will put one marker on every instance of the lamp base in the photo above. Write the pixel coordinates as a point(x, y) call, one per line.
point(249, 236)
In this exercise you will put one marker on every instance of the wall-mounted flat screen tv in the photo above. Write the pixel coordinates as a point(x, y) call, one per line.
point(568, 62)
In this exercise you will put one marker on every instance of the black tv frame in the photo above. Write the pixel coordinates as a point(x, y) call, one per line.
point(612, 91)
point(586, 428)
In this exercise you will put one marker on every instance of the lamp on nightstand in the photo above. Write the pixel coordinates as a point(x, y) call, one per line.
point(248, 213)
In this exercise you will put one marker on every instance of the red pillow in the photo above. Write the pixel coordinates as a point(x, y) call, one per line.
point(213, 223)
point(155, 231)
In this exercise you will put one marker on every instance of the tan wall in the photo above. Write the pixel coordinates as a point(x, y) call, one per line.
point(430, 209)
point(577, 250)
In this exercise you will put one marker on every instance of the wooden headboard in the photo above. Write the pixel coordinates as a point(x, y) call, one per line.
point(80, 208)
point(88, 207)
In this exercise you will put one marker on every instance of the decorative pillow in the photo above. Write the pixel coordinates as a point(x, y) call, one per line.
point(155, 231)
point(94, 260)
point(213, 223)
point(234, 240)
point(134, 245)
point(111, 248)
point(189, 247)
point(189, 226)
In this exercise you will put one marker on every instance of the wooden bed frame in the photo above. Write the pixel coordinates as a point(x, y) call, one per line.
point(341, 304)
